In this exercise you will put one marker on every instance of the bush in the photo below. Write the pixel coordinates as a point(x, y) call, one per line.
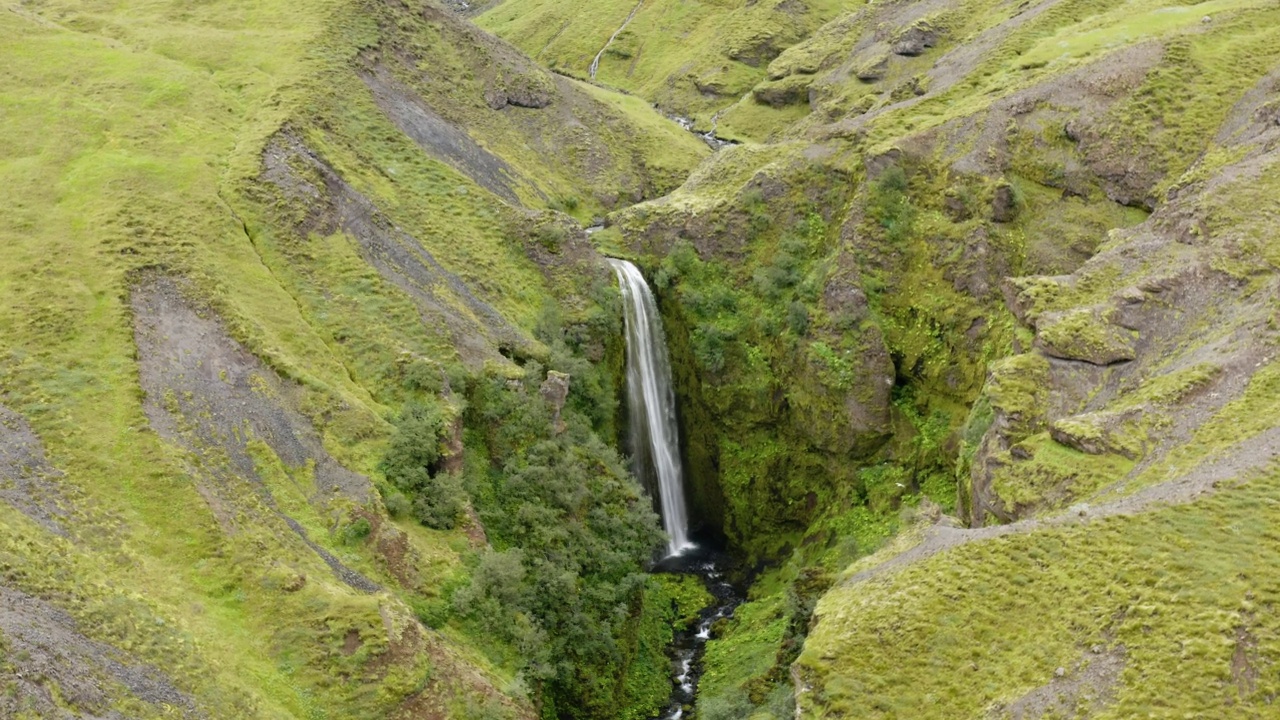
point(424, 376)
point(890, 206)
point(395, 502)
point(798, 318)
point(355, 532)
point(435, 498)
point(572, 532)
point(550, 236)
point(732, 705)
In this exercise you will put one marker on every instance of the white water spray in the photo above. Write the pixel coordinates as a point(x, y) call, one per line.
point(654, 432)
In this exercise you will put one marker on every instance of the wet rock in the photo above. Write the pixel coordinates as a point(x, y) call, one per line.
point(453, 448)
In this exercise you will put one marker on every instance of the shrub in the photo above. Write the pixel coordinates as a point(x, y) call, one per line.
point(355, 532)
point(435, 498)
point(798, 318)
point(732, 705)
point(890, 206)
point(550, 237)
point(395, 502)
point(572, 532)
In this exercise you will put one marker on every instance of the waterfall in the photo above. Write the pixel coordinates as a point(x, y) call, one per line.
point(655, 436)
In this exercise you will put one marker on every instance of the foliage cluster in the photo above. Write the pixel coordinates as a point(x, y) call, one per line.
point(572, 532)
point(411, 466)
point(563, 593)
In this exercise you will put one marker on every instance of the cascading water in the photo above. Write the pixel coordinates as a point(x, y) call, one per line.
point(654, 432)
point(655, 444)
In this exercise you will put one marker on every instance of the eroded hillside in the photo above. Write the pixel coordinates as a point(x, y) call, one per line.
point(241, 241)
point(310, 378)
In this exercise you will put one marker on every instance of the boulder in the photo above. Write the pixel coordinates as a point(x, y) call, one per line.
point(915, 40)
point(554, 391)
point(1086, 334)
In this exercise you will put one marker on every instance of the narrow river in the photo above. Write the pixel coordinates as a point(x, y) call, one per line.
point(686, 651)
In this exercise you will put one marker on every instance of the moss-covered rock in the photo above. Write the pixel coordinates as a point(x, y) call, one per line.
point(1088, 334)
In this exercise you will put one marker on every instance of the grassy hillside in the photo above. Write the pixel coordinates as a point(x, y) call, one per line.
point(239, 237)
point(309, 374)
point(691, 58)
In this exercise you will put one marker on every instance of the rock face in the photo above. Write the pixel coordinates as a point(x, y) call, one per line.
point(1087, 334)
point(554, 391)
point(915, 40)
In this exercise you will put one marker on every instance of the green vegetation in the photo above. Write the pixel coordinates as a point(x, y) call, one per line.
point(135, 142)
point(410, 467)
point(571, 532)
point(972, 258)
point(689, 57)
point(1134, 585)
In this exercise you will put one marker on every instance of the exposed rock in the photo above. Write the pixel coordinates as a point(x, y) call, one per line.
point(1004, 205)
point(555, 390)
point(439, 137)
point(52, 670)
point(873, 69)
point(1097, 433)
point(1087, 334)
point(331, 203)
point(452, 458)
point(1017, 395)
point(208, 396)
point(915, 40)
point(27, 481)
point(781, 94)
point(526, 90)
point(878, 164)
point(758, 52)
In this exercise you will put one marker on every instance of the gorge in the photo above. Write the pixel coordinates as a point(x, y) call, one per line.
point(921, 359)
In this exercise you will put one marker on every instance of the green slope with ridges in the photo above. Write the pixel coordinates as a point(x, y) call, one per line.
point(133, 148)
point(691, 58)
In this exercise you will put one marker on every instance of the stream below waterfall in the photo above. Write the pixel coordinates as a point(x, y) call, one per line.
point(686, 651)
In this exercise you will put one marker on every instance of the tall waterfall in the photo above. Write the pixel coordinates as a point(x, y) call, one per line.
point(654, 433)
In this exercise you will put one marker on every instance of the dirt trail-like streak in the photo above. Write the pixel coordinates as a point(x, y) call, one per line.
point(207, 394)
point(55, 671)
point(595, 64)
point(1248, 456)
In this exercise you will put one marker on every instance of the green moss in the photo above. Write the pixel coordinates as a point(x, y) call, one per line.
point(671, 603)
point(1088, 334)
point(1254, 412)
point(692, 58)
point(1018, 386)
point(1052, 474)
point(1147, 583)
